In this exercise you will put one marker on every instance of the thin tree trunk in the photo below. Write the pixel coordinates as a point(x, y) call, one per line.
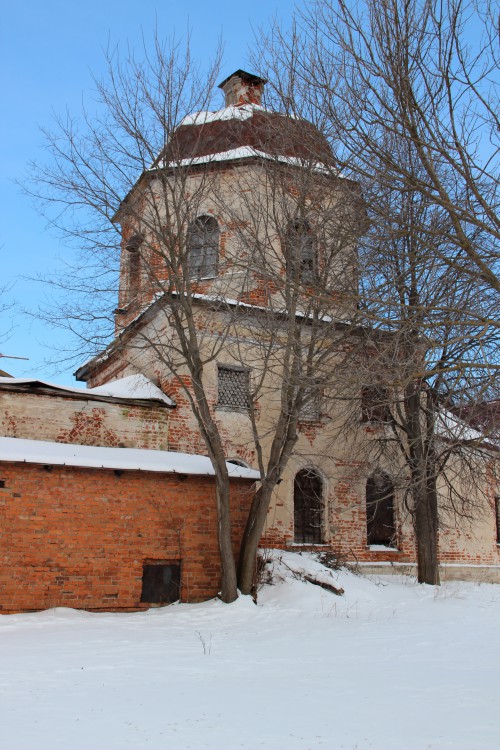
point(251, 537)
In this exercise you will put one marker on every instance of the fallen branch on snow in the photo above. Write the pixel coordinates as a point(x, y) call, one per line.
point(323, 584)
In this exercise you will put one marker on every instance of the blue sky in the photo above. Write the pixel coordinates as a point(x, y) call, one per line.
point(48, 52)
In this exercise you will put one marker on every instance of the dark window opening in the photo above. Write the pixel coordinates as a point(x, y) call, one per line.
point(307, 504)
point(134, 265)
point(203, 247)
point(160, 583)
point(380, 528)
point(233, 385)
point(301, 252)
point(2, 483)
point(497, 512)
point(238, 462)
point(375, 404)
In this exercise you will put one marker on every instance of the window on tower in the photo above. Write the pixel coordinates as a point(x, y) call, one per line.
point(203, 247)
point(301, 251)
point(133, 248)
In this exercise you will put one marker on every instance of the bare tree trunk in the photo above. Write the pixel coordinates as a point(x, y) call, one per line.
point(251, 537)
point(423, 484)
point(426, 525)
point(229, 590)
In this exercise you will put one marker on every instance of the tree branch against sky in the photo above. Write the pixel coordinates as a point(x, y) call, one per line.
point(421, 71)
point(407, 98)
point(48, 55)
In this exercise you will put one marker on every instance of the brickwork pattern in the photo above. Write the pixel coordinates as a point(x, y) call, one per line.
point(79, 537)
point(69, 420)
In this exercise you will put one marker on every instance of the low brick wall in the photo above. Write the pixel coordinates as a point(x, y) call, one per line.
point(79, 537)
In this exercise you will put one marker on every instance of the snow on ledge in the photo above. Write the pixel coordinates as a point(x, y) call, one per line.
point(245, 152)
point(98, 457)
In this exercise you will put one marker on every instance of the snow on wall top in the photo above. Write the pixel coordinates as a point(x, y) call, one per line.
point(245, 152)
point(97, 457)
point(133, 387)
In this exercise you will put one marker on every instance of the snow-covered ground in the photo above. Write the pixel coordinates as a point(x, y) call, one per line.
point(390, 665)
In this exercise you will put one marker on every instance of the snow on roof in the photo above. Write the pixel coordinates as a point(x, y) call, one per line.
point(98, 457)
point(211, 298)
point(243, 152)
point(241, 112)
point(131, 387)
point(451, 427)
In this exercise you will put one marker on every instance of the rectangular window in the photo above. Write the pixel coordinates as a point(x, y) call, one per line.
point(374, 404)
point(161, 584)
point(233, 388)
point(311, 410)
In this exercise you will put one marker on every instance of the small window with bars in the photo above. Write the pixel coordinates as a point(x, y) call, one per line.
point(233, 385)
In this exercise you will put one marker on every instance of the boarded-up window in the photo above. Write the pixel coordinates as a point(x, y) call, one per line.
point(203, 247)
point(380, 527)
point(160, 583)
point(374, 404)
point(233, 388)
point(301, 251)
point(307, 506)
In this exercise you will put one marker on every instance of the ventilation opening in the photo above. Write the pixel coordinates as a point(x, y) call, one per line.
point(234, 388)
point(161, 584)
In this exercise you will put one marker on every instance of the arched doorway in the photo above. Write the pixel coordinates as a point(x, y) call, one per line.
point(307, 504)
point(380, 528)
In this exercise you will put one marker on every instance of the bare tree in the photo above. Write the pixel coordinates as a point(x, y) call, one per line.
point(440, 354)
point(273, 307)
point(419, 71)
point(408, 103)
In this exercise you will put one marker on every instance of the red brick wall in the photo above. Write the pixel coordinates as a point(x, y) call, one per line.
point(79, 537)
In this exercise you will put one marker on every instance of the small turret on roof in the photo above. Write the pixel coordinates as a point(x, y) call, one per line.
point(242, 88)
point(244, 129)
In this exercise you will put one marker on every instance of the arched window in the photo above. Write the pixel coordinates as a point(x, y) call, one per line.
point(203, 247)
point(134, 265)
point(301, 251)
point(380, 528)
point(238, 462)
point(307, 505)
